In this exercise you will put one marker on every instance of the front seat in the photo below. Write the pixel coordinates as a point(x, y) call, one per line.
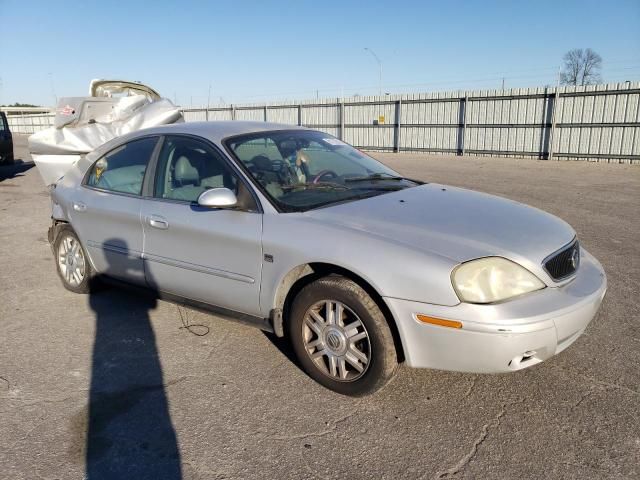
point(185, 173)
point(186, 179)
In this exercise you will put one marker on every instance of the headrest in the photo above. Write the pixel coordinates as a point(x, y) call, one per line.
point(185, 171)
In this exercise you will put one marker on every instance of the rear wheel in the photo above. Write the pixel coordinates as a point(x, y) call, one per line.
point(341, 337)
point(72, 264)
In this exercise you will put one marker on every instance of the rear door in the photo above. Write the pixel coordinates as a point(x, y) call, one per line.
point(105, 211)
point(210, 255)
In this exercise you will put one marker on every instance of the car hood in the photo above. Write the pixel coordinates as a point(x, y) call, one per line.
point(455, 223)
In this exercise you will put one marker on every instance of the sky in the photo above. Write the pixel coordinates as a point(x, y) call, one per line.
point(257, 51)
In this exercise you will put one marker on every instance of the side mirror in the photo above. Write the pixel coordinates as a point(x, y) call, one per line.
point(217, 198)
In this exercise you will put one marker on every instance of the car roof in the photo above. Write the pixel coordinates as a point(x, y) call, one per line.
point(216, 131)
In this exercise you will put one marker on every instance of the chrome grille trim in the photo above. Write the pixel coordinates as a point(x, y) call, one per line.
point(563, 263)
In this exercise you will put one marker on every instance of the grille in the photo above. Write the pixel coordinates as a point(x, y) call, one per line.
point(564, 263)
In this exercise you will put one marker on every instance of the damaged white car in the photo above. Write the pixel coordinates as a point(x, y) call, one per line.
point(112, 109)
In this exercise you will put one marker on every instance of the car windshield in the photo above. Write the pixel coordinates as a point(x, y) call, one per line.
point(305, 169)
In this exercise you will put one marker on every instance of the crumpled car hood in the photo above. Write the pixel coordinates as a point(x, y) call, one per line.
point(455, 223)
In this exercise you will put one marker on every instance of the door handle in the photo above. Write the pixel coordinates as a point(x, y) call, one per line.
point(79, 207)
point(159, 222)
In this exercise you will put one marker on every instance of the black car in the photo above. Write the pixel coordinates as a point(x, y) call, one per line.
point(6, 140)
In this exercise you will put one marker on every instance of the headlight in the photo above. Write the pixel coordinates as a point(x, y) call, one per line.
point(492, 279)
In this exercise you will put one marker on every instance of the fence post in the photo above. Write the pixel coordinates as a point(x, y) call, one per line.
point(462, 119)
point(233, 112)
point(265, 113)
point(299, 115)
point(341, 105)
point(552, 133)
point(545, 126)
point(397, 139)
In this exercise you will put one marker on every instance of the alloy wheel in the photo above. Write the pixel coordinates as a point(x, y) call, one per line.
point(71, 261)
point(336, 340)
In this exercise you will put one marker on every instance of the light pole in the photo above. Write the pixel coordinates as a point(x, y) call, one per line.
point(379, 65)
point(208, 103)
point(53, 90)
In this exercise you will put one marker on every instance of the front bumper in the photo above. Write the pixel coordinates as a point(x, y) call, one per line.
point(506, 336)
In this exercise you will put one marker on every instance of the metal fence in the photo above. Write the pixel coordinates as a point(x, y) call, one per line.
point(597, 122)
point(27, 120)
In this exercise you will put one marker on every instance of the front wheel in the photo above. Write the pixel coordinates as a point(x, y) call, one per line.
point(341, 337)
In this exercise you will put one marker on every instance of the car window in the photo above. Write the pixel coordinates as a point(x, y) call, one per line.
point(259, 146)
point(122, 170)
point(187, 167)
point(2, 127)
point(304, 169)
point(320, 159)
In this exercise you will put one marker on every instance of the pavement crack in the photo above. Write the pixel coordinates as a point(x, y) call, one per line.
point(472, 386)
point(583, 397)
point(30, 401)
point(612, 385)
point(470, 455)
point(332, 427)
point(175, 381)
point(601, 383)
point(590, 467)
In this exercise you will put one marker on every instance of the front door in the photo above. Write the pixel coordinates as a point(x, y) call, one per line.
point(204, 254)
point(106, 211)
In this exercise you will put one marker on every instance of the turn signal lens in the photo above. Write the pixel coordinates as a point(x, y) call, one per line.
point(439, 321)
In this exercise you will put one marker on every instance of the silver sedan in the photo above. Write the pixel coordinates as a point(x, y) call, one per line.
point(298, 233)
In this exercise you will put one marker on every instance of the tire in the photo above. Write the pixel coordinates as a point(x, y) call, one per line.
point(72, 263)
point(7, 159)
point(333, 352)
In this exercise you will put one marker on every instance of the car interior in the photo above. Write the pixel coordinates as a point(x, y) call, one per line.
point(187, 168)
point(122, 170)
point(190, 171)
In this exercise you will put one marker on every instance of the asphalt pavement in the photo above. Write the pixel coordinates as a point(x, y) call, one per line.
point(223, 400)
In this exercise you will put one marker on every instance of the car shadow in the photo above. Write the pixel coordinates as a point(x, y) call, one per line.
point(284, 345)
point(130, 433)
point(15, 169)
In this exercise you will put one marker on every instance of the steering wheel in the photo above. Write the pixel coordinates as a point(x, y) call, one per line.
point(324, 173)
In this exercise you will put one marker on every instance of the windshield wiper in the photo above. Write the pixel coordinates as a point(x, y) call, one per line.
point(374, 177)
point(312, 186)
point(369, 193)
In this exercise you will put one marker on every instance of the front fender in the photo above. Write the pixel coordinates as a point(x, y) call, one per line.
point(392, 269)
